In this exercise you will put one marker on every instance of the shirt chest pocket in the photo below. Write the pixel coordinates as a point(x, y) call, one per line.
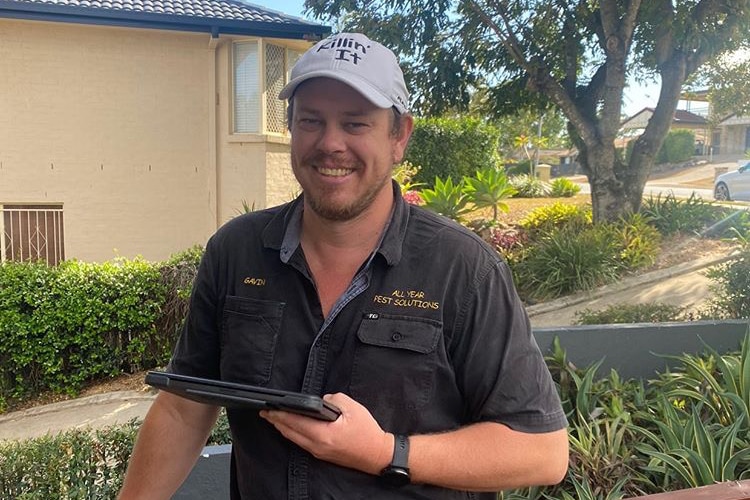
point(394, 362)
point(249, 334)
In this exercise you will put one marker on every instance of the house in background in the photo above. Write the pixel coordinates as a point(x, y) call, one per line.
point(683, 119)
point(138, 127)
point(734, 135)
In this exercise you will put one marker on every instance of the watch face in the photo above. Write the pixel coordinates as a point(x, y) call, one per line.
point(395, 476)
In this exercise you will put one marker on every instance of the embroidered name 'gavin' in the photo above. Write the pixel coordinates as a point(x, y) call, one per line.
point(255, 281)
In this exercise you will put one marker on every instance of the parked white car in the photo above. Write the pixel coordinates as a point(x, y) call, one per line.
point(734, 185)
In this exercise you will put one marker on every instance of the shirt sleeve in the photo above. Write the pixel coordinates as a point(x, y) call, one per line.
point(198, 347)
point(499, 366)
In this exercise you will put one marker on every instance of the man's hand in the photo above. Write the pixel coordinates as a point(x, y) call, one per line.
point(353, 440)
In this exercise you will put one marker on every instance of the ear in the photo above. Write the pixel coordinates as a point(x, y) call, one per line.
point(402, 139)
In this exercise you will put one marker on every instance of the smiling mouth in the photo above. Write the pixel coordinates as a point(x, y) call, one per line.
point(334, 172)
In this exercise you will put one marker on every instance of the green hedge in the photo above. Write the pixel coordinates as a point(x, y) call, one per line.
point(73, 464)
point(679, 145)
point(79, 463)
point(66, 325)
point(452, 148)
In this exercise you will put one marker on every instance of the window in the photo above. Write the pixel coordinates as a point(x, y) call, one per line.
point(257, 108)
point(32, 233)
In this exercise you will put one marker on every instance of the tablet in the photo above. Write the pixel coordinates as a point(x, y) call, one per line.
point(233, 395)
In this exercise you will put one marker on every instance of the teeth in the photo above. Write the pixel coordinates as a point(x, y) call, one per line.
point(334, 172)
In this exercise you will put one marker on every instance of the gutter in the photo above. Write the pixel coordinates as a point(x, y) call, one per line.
point(134, 19)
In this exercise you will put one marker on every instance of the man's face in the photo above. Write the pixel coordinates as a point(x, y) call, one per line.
point(343, 150)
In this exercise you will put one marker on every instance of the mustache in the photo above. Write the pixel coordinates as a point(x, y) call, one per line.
point(330, 161)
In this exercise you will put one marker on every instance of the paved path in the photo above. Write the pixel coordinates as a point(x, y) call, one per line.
point(682, 285)
point(97, 411)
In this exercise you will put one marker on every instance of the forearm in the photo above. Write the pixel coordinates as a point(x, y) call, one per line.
point(488, 457)
point(169, 442)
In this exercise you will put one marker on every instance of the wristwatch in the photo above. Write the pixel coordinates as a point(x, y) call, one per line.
point(397, 473)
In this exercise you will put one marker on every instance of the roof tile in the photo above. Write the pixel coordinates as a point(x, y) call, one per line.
point(234, 10)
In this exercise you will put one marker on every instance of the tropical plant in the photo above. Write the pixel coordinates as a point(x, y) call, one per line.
point(527, 144)
point(563, 187)
point(672, 215)
point(488, 188)
point(447, 199)
point(685, 450)
point(528, 186)
point(718, 384)
point(245, 208)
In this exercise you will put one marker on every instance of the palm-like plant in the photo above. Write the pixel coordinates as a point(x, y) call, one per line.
point(488, 188)
point(447, 199)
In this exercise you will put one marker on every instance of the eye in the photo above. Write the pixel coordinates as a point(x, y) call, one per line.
point(307, 123)
point(356, 126)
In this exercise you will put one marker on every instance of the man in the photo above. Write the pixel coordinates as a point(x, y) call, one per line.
point(404, 320)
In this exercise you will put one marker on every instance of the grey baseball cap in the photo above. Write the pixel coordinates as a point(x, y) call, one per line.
point(365, 65)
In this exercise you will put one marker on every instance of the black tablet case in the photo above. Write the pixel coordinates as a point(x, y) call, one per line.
point(233, 395)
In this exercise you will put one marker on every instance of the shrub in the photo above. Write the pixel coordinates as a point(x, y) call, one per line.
point(546, 218)
point(631, 313)
point(404, 174)
point(64, 326)
point(731, 290)
point(79, 463)
point(73, 464)
point(563, 188)
point(678, 146)
point(565, 261)
point(637, 241)
point(670, 215)
point(452, 148)
point(529, 186)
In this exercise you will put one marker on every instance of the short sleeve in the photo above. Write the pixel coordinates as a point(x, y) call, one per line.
point(498, 364)
point(197, 350)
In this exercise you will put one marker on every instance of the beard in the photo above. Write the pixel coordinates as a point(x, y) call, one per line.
point(322, 201)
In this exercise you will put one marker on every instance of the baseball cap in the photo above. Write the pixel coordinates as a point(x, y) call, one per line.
point(365, 65)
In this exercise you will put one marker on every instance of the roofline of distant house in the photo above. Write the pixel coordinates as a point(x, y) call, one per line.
point(130, 19)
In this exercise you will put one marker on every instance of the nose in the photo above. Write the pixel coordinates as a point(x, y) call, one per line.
point(331, 139)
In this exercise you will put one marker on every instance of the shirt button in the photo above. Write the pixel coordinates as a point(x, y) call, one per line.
point(396, 336)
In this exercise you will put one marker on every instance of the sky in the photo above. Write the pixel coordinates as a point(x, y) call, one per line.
point(637, 96)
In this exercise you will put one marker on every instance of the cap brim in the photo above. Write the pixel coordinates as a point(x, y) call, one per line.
point(360, 85)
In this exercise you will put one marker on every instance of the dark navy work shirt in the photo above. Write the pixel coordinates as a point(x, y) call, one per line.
point(430, 336)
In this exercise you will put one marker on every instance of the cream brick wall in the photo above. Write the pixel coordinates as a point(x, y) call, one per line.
point(112, 123)
point(129, 129)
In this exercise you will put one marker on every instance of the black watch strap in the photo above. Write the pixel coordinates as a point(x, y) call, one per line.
point(400, 452)
point(397, 473)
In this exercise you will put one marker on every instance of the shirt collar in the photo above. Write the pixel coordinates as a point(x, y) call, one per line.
point(284, 230)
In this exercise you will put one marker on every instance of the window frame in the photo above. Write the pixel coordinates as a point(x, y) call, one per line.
point(291, 54)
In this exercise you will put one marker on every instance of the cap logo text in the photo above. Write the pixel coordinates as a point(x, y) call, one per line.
point(345, 49)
